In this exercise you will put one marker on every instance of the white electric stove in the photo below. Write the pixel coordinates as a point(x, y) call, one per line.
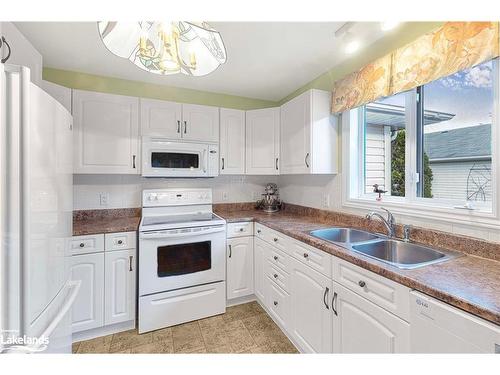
point(182, 262)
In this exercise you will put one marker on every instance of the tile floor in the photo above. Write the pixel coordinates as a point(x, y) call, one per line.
point(242, 329)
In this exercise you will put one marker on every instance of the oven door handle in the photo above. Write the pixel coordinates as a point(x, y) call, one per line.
point(166, 234)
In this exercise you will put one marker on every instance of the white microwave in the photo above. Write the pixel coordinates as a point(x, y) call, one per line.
point(165, 158)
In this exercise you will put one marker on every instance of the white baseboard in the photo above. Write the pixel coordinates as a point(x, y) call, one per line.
point(103, 331)
point(240, 300)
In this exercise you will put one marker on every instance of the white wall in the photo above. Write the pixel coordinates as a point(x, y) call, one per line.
point(124, 191)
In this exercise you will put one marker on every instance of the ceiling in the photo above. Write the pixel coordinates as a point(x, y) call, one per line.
point(266, 60)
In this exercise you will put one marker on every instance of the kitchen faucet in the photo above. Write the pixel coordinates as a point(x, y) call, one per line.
point(389, 223)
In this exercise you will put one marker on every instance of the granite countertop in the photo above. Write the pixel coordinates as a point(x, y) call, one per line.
point(105, 221)
point(469, 282)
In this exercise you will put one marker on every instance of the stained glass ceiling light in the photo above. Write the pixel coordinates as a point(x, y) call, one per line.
point(168, 47)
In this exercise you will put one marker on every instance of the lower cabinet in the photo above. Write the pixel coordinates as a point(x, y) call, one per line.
point(260, 250)
point(88, 308)
point(360, 326)
point(119, 286)
point(310, 315)
point(240, 267)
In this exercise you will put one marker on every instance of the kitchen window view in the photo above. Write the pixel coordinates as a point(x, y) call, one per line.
point(445, 127)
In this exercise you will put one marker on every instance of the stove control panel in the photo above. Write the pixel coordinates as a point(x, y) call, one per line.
point(175, 197)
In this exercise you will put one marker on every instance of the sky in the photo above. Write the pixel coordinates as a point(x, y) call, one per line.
point(467, 94)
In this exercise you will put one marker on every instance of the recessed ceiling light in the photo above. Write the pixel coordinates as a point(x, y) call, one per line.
point(351, 44)
point(389, 25)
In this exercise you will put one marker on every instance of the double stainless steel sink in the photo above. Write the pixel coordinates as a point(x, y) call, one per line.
point(401, 254)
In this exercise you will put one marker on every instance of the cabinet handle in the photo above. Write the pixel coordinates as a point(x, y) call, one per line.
point(133, 161)
point(178, 126)
point(334, 303)
point(275, 275)
point(119, 242)
point(230, 251)
point(241, 229)
point(82, 244)
point(361, 283)
point(259, 231)
point(275, 303)
point(275, 257)
point(325, 298)
point(4, 41)
point(223, 163)
point(185, 127)
point(306, 255)
point(306, 160)
point(276, 163)
point(275, 239)
point(130, 260)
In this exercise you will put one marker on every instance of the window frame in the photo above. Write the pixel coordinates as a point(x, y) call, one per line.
point(353, 178)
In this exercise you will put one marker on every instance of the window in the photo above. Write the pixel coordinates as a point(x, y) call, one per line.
point(431, 145)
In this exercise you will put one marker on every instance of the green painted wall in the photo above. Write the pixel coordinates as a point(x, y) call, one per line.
point(84, 81)
point(406, 33)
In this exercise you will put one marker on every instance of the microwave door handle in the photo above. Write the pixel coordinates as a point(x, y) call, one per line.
point(156, 235)
point(205, 160)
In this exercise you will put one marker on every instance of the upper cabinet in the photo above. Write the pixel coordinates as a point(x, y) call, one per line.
point(308, 135)
point(263, 141)
point(232, 141)
point(179, 121)
point(106, 133)
point(161, 118)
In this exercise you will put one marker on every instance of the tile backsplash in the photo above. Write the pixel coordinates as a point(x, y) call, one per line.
point(124, 191)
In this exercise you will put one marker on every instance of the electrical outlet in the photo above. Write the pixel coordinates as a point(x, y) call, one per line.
point(225, 196)
point(255, 195)
point(103, 199)
point(326, 200)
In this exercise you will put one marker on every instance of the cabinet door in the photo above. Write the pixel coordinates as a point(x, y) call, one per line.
point(106, 131)
point(296, 135)
point(120, 274)
point(88, 309)
point(260, 256)
point(239, 267)
point(161, 118)
point(310, 320)
point(360, 326)
point(262, 141)
point(232, 141)
point(200, 123)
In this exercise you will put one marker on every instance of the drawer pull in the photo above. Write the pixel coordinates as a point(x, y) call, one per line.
point(306, 255)
point(275, 303)
point(275, 257)
point(241, 229)
point(361, 283)
point(275, 275)
point(259, 231)
point(119, 242)
point(82, 244)
point(275, 239)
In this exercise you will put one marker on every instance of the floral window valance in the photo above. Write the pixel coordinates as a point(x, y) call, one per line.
point(453, 47)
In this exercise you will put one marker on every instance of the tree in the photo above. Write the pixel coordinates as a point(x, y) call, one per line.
point(398, 168)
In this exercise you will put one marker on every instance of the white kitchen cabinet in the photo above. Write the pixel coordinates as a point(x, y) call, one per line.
point(88, 309)
point(360, 326)
point(260, 258)
point(106, 133)
point(240, 263)
point(161, 118)
point(200, 123)
point(232, 141)
point(119, 286)
point(262, 141)
point(310, 322)
point(308, 135)
point(60, 93)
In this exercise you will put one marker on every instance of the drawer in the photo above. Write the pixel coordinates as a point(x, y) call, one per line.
point(279, 304)
point(383, 292)
point(279, 258)
point(239, 229)
point(120, 241)
point(316, 259)
point(93, 243)
point(277, 275)
point(273, 237)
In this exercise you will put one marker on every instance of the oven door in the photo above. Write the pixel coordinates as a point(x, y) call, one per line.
point(163, 158)
point(180, 258)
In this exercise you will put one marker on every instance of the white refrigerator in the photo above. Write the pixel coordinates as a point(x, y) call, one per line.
point(36, 217)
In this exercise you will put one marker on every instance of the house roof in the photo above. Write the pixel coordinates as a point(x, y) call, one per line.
point(472, 142)
point(394, 115)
